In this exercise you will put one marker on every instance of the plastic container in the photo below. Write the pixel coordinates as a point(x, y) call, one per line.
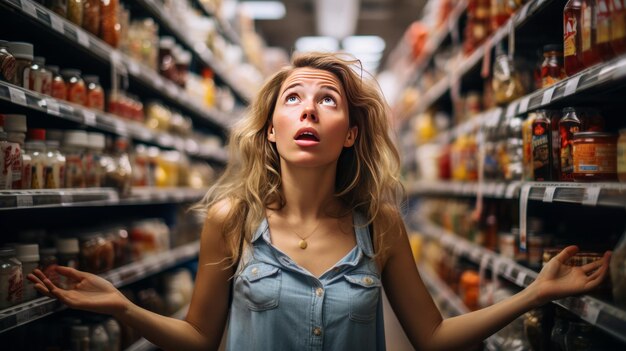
point(67, 251)
point(11, 284)
point(28, 254)
point(76, 88)
point(96, 253)
point(7, 62)
point(95, 94)
point(15, 126)
point(58, 89)
point(41, 78)
point(74, 144)
point(595, 157)
point(55, 165)
point(36, 148)
point(23, 53)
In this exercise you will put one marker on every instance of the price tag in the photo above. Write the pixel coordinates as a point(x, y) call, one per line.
point(56, 22)
point(605, 71)
point(90, 117)
point(547, 96)
point(17, 96)
point(52, 106)
point(572, 84)
point(523, 105)
point(24, 200)
point(548, 194)
point(134, 68)
point(120, 128)
point(29, 8)
point(83, 38)
point(509, 270)
point(115, 57)
point(591, 313)
point(510, 110)
point(591, 195)
point(521, 278)
point(115, 280)
point(171, 90)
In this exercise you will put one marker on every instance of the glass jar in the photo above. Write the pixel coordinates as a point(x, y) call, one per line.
point(621, 156)
point(119, 173)
point(121, 245)
point(579, 337)
point(58, 89)
point(167, 65)
point(28, 254)
point(595, 157)
point(552, 69)
point(74, 144)
point(7, 62)
point(76, 89)
point(507, 84)
point(95, 94)
point(23, 53)
point(568, 126)
point(91, 16)
point(67, 250)
point(75, 11)
point(96, 253)
point(55, 165)
point(11, 284)
point(94, 174)
point(49, 262)
point(15, 126)
point(109, 22)
point(42, 78)
point(36, 148)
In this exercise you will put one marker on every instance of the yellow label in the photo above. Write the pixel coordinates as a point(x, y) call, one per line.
point(586, 30)
point(618, 30)
point(569, 48)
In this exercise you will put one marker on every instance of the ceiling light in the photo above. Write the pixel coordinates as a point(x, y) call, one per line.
point(328, 44)
point(263, 10)
point(363, 44)
point(336, 18)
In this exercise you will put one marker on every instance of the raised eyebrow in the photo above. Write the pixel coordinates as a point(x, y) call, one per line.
point(289, 87)
point(332, 88)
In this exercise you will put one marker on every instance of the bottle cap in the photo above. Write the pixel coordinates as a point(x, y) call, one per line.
point(21, 50)
point(39, 60)
point(7, 252)
point(27, 252)
point(91, 78)
point(67, 245)
point(15, 123)
point(53, 68)
point(70, 72)
point(54, 134)
point(76, 138)
point(167, 42)
point(553, 47)
point(37, 134)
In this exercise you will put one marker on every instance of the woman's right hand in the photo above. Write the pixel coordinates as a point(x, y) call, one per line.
point(89, 292)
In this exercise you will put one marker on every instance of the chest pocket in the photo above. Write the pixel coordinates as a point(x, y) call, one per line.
point(364, 292)
point(260, 285)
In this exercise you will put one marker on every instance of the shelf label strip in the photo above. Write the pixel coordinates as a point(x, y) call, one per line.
point(547, 96)
point(56, 23)
point(17, 96)
point(548, 194)
point(523, 105)
point(571, 86)
point(523, 213)
point(29, 8)
point(591, 195)
point(52, 106)
point(90, 118)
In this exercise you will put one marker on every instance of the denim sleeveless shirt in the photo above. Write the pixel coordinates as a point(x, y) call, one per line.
point(278, 305)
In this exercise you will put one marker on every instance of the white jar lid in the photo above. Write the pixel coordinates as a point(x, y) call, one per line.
point(15, 123)
point(76, 138)
point(67, 245)
point(27, 252)
point(21, 50)
point(96, 141)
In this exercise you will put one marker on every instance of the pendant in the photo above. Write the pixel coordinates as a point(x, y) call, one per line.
point(303, 244)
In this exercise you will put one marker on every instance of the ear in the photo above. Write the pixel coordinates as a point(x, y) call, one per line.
point(271, 134)
point(351, 136)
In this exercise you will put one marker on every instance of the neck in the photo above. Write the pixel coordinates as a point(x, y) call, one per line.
point(309, 192)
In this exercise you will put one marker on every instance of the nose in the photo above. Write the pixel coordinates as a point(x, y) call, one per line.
point(309, 113)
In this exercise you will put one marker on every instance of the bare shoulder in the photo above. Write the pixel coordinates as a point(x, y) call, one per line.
point(217, 214)
point(213, 240)
point(391, 234)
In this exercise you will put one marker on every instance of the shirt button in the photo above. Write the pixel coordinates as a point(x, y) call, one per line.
point(319, 292)
point(255, 271)
point(368, 280)
point(317, 331)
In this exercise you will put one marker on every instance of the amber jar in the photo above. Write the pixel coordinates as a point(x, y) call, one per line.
point(96, 253)
point(621, 156)
point(552, 69)
point(595, 157)
point(76, 88)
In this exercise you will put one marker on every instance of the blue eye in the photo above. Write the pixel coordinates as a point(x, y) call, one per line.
point(328, 101)
point(292, 99)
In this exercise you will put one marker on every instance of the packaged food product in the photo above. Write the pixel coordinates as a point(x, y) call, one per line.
point(595, 156)
point(572, 41)
point(74, 144)
point(109, 22)
point(602, 18)
point(76, 89)
point(67, 249)
point(41, 77)
point(48, 263)
point(568, 126)
point(91, 16)
point(28, 254)
point(58, 89)
point(23, 53)
point(552, 69)
point(7, 62)
point(75, 11)
point(58, 6)
point(618, 25)
point(507, 84)
point(15, 126)
point(55, 165)
point(119, 171)
point(94, 174)
point(96, 253)
point(542, 146)
point(95, 94)
point(590, 53)
point(36, 148)
point(11, 284)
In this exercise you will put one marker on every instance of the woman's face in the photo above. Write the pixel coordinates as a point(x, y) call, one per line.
point(310, 124)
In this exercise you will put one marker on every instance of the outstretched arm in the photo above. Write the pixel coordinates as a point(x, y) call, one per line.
point(427, 330)
point(204, 325)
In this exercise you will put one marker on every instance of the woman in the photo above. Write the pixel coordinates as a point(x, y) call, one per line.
point(306, 222)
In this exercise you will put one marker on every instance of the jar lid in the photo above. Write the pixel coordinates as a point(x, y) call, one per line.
point(53, 68)
point(15, 123)
point(76, 138)
point(594, 135)
point(553, 47)
point(54, 134)
point(167, 42)
point(48, 251)
point(27, 252)
point(39, 60)
point(67, 245)
point(91, 78)
point(21, 50)
point(96, 140)
point(7, 252)
point(69, 72)
point(37, 134)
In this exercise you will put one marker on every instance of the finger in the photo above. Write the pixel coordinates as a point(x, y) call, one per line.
point(566, 254)
point(71, 272)
point(43, 290)
point(45, 281)
point(592, 266)
point(34, 279)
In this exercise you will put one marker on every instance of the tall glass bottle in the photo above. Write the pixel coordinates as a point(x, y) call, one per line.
point(572, 37)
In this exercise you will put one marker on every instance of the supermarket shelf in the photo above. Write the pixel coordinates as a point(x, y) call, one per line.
point(224, 25)
point(106, 122)
point(48, 198)
point(119, 60)
point(199, 48)
point(590, 194)
point(30, 311)
point(598, 313)
point(145, 345)
point(448, 302)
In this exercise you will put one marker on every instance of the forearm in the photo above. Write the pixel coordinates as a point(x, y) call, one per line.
point(468, 330)
point(166, 332)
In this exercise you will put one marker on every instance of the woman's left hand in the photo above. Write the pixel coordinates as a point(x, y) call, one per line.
point(557, 280)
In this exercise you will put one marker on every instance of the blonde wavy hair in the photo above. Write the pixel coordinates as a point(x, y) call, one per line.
point(367, 178)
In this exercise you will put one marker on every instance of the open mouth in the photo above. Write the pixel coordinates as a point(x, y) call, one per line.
point(307, 136)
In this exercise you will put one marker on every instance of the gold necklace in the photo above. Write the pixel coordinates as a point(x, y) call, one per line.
point(303, 244)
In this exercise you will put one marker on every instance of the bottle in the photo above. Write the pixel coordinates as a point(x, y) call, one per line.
point(32, 73)
point(552, 69)
point(209, 86)
point(76, 89)
point(15, 126)
point(99, 339)
point(603, 30)
point(119, 171)
point(91, 16)
point(28, 254)
point(572, 37)
point(7, 62)
point(182, 61)
point(55, 165)
point(589, 49)
point(167, 65)
point(541, 146)
point(67, 250)
point(75, 11)
point(618, 26)
point(95, 94)
point(58, 89)
point(109, 22)
point(79, 340)
point(93, 171)
point(23, 53)
point(41, 78)
point(48, 263)
point(11, 284)
point(58, 6)
point(568, 126)
point(114, 331)
point(36, 148)
point(621, 156)
point(74, 144)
